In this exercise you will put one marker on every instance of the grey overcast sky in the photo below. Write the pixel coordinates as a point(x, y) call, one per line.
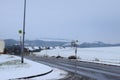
point(85, 20)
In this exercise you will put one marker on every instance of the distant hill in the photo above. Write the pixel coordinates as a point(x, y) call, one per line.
point(10, 42)
point(94, 44)
point(97, 44)
point(44, 43)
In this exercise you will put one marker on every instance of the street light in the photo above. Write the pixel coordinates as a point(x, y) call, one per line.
point(74, 44)
point(24, 16)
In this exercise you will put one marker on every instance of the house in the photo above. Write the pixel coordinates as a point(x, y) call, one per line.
point(2, 46)
point(29, 48)
point(33, 48)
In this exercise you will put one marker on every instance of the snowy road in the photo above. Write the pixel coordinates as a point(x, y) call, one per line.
point(92, 70)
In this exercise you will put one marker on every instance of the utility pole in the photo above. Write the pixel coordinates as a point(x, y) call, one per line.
point(76, 43)
point(24, 16)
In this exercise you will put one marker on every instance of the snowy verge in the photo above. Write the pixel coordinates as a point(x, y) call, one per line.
point(11, 67)
point(54, 75)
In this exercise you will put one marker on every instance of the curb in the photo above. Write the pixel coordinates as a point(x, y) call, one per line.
point(32, 76)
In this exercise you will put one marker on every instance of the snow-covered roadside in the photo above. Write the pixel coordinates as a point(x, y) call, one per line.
point(11, 68)
point(104, 55)
point(54, 75)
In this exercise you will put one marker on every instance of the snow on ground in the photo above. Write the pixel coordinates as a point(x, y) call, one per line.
point(11, 68)
point(55, 75)
point(106, 55)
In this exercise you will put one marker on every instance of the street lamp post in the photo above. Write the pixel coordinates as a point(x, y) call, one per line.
point(75, 44)
point(22, 55)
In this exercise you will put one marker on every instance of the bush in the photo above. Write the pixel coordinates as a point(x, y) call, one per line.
point(53, 56)
point(59, 57)
point(72, 57)
point(96, 59)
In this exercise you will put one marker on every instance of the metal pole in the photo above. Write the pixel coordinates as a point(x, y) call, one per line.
point(46, 52)
point(76, 57)
point(20, 44)
point(22, 55)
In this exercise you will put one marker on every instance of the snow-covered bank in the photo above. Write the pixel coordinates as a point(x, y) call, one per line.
point(105, 55)
point(11, 68)
point(54, 75)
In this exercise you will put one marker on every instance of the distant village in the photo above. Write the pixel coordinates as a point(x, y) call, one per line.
point(16, 48)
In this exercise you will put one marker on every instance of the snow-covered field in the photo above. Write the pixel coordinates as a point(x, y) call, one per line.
point(106, 55)
point(11, 68)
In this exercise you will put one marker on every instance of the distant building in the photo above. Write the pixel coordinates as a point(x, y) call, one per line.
point(2, 46)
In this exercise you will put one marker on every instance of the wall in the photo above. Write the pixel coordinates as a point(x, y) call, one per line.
point(2, 46)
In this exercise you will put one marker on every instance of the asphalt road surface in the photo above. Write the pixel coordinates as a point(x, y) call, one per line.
point(89, 70)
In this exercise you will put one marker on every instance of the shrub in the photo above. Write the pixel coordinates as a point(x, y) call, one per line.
point(72, 57)
point(96, 59)
point(53, 56)
point(59, 56)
